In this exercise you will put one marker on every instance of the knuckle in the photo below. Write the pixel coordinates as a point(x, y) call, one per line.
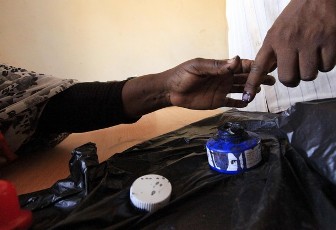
point(309, 74)
point(326, 68)
point(308, 77)
point(290, 82)
point(269, 80)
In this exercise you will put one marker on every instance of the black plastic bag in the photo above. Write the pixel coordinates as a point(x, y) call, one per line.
point(294, 188)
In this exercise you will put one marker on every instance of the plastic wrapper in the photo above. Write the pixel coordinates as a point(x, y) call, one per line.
point(293, 188)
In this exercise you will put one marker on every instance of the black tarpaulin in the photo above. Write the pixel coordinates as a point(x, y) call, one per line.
point(294, 187)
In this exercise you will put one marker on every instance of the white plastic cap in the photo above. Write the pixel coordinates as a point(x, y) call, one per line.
point(150, 192)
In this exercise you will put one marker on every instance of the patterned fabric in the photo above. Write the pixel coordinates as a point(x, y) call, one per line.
point(23, 95)
point(248, 23)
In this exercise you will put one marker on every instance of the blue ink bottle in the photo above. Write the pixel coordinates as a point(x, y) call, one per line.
point(233, 150)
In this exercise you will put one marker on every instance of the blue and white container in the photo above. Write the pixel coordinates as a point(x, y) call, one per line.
point(233, 150)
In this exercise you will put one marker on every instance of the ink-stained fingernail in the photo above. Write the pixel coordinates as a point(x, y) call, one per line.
point(246, 96)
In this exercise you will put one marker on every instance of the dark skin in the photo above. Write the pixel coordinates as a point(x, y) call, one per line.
point(196, 84)
point(301, 42)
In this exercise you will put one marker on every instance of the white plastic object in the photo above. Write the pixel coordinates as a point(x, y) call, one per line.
point(150, 192)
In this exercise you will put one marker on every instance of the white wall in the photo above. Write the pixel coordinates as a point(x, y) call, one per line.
point(109, 39)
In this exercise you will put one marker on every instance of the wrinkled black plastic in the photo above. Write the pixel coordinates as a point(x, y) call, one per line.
point(294, 188)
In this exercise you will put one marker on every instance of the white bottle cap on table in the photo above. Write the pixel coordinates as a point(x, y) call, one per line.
point(150, 192)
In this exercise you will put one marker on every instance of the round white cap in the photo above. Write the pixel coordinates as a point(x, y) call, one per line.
point(150, 192)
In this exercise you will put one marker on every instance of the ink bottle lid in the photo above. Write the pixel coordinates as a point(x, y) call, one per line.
point(233, 149)
point(150, 192)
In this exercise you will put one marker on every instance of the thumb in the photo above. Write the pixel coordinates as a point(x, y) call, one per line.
point(213, 67)
point(233, 64)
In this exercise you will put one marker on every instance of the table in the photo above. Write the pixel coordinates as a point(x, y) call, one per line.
point(36, 171)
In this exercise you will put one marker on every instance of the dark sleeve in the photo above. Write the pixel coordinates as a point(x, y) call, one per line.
point(84, 107)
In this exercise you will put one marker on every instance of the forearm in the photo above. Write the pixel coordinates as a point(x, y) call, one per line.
point(145, 94)
point(95, 105)
point(84, 107)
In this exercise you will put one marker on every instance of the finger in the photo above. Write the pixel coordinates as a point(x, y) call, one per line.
point(264, 61)
point(234, 64)
point(230, 102)
point(328, 59)
point(308, 60)
point(247, 64)
point(288, 67)
point(244, 66)
point(214, 67)
point(240, 89)
point(242, 78)
point(268, 80)
point(237, 88)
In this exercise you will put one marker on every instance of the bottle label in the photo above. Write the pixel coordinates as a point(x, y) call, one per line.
point(253, 156)
point(234, 162)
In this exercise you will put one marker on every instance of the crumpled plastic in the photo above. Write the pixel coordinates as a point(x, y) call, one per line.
point(293, 188)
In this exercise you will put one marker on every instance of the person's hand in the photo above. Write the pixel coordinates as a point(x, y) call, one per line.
point(195, 84)
point(205, 83)
point(301, 41)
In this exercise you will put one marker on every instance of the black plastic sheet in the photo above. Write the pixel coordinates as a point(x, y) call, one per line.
point(294, 188)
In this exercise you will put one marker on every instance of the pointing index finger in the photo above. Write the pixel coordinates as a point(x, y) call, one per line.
point(264, 62)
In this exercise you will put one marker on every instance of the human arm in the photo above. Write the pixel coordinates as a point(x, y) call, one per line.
point(195, 84)
point(300, 42)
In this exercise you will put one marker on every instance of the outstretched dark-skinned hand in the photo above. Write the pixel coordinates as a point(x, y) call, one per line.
point(195, 84)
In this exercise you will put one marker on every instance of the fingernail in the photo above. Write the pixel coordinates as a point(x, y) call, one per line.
point(246, 96)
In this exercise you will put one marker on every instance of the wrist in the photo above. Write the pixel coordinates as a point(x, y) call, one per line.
point(145, 94)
